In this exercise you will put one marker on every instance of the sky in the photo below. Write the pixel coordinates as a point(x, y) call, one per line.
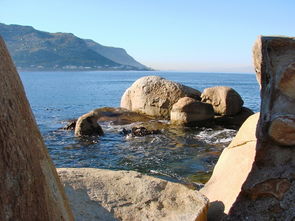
point(176, 35)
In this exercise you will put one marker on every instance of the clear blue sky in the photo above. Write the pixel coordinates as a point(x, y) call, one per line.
point(187, 35)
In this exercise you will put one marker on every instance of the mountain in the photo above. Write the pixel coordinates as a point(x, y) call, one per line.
point(38, 50)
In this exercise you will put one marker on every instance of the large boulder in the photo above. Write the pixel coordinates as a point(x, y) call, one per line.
point(225, 100)
point(189, 111)
point(269, 190)
point(154, 96)
point(87, 125)
point(29, 186)
point(231, 170)
point(97, 194)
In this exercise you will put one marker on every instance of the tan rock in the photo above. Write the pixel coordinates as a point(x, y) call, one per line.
point(282, 130)
point(225, 100)
point(154, 96)
point(232, 169)
point(87, 125)
point(187, 110)
point(97, 194)
point(268, 193)
point(29, 186)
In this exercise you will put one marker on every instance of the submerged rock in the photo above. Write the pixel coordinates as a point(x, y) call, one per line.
point(155, 96)
point(97, 194)
point(87, 125)
point(139, 132)
point(188, 111)
point(235, 121)
point(225, 100)
point(29, 186)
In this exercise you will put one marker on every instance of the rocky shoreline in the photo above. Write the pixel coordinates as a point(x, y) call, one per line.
point(253, 179)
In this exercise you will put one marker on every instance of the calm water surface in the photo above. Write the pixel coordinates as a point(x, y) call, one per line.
point(180, 154)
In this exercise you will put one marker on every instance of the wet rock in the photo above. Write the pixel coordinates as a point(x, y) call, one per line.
point(71, 124)
point(154, 96)
point(29, 188)
point(188, 111)
point(235, 121)
point(225, 100)
point(97, 194)
point(120, 116)
point(139, 132)
point(268, 192)
point(87, 125)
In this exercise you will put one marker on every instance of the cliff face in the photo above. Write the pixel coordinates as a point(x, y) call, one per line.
point(37, 50)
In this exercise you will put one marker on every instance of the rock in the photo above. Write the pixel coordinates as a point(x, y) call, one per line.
point(154, 96)
point(235, 121)
point(231, 170)
point(71, 124)
point(120, 116)
point(30, 188)
point(268, 193)
point(97, 194)
point(87, 125)
point(225, 100)
point(188, 111)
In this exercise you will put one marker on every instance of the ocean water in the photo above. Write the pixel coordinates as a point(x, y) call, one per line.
point(180, 154)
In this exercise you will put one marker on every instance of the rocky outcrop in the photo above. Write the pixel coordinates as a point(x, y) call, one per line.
point(261, 181)
point(87, 125)
point(155, 96)
point(187, 111)
point(29, 186)
point(269, 190)
point(231, 170)
point(97, 194)
point(225, 100)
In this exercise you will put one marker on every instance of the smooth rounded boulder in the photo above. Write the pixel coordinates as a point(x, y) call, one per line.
point(188, 111)
point(225, 100)
point(155, 96)
point(87, 125)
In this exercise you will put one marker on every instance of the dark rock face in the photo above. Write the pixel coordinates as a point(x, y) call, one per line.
point(29, 188)
point(87, 125)
point(269, 190)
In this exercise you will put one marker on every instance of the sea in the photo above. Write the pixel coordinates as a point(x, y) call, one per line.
point(186, 155)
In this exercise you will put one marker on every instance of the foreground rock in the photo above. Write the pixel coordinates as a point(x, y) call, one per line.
point(225, 100)
point(29, 186)
point(188, 111)
point(231, 170)
point(87, 125)
point(97, 194)
point(154, 96)
point(270, 185)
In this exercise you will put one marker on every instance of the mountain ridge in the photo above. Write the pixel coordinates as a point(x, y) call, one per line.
point(32, 49)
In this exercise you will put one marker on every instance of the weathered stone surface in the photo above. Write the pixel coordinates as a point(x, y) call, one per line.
point(187, 110)
point(97, 194)
point(87, 125)
point(225, 100)
point(269, 190)
point(29, 186)
point(231, 170)
point(154, 96)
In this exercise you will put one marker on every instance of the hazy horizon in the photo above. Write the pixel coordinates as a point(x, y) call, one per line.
point(165, 35)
